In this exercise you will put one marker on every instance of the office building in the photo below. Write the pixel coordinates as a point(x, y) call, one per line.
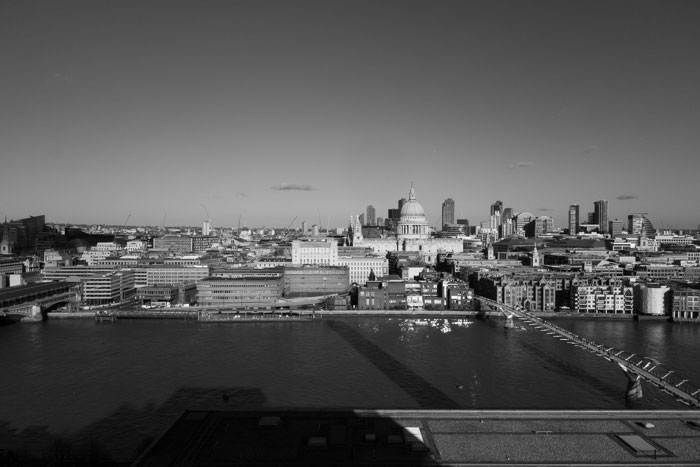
point(507, 214)
point(248, 292)
point(168, 275)
point(448, 212)
point(639, 224)
point(371, 218)
point(615, 228)
point(497, 207)
point(574, 220)
point(322, 251)
point(303, 281)
point(173, 243)
point(113, 287)
point(686, 304)
point(206, 228)
point(601, 215)
point(201, 243)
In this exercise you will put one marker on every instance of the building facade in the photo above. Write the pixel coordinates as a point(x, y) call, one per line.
point(240, 292)
point(114, 287)
point(574, 221)
point(448, 212)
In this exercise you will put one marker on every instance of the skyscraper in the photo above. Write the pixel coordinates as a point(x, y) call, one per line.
point(401, 203)
point(496, 212)
point(371, 215)
point(448, 212)
point(574, 221)
point(507, 214)
point(497, 207)
point(601, 215)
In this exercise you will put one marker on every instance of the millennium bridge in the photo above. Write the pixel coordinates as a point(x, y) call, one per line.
point(635, 367)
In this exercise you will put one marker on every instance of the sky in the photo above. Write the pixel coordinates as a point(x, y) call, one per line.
point(274, 112)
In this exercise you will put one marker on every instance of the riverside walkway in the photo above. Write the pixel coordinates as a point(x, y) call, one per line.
point(636, 367)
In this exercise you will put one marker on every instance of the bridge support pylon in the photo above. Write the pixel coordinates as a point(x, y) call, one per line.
point(509, 322)
point(634, 384)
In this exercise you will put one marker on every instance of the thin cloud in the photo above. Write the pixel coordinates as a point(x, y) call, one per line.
point(545, 209)
point(628, 196)
point(227, 196)
point(591, 149)
point(59, 78)
point(292, 187)
point(520, 165)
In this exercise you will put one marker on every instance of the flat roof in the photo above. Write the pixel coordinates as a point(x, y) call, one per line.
point(428, 437)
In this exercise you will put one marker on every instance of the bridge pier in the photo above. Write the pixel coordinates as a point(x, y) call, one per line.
point(509, 322)
point(34, 315)
point(634, 387)
point(634, 384)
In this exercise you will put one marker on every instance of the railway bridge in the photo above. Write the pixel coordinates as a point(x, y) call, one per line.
point(635, 367)
point(31, 302)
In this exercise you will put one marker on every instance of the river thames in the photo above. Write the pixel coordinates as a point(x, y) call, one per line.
point(119, 384)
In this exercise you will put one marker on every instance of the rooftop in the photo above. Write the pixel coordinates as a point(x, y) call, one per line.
point(428, 437)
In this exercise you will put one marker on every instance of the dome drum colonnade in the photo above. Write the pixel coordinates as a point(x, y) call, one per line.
point(412, 223)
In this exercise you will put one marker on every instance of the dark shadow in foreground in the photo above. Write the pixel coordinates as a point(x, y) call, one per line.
point(293, 437)
point(117, 439)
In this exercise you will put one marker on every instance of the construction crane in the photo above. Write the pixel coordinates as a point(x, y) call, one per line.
point(126, 221)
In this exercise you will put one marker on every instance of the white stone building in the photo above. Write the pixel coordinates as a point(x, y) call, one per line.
point(412, 234)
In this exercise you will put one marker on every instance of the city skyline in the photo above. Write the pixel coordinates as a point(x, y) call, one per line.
point(190, 111)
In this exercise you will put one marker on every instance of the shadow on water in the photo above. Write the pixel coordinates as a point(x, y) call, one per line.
point(564, 367)
point(120, 437)
point(425, 394)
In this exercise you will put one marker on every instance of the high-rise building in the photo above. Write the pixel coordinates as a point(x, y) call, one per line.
point(507, 214)
point(497, 207)
point(520, 220)
point(601, 215)
point(639, 224)
point(371, 216)
point(448, 212)
point(206, 227)
point(361, 218)
point(304, 227)
point(402, 201)
point(615, 228)
point(574, 221)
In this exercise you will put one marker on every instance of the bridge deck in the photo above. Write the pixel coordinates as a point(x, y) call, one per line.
point(643, 367)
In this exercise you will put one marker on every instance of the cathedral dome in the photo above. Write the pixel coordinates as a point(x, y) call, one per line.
point(412, 208)
point(412, 223)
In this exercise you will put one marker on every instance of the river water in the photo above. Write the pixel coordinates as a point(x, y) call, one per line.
point(120, 384)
